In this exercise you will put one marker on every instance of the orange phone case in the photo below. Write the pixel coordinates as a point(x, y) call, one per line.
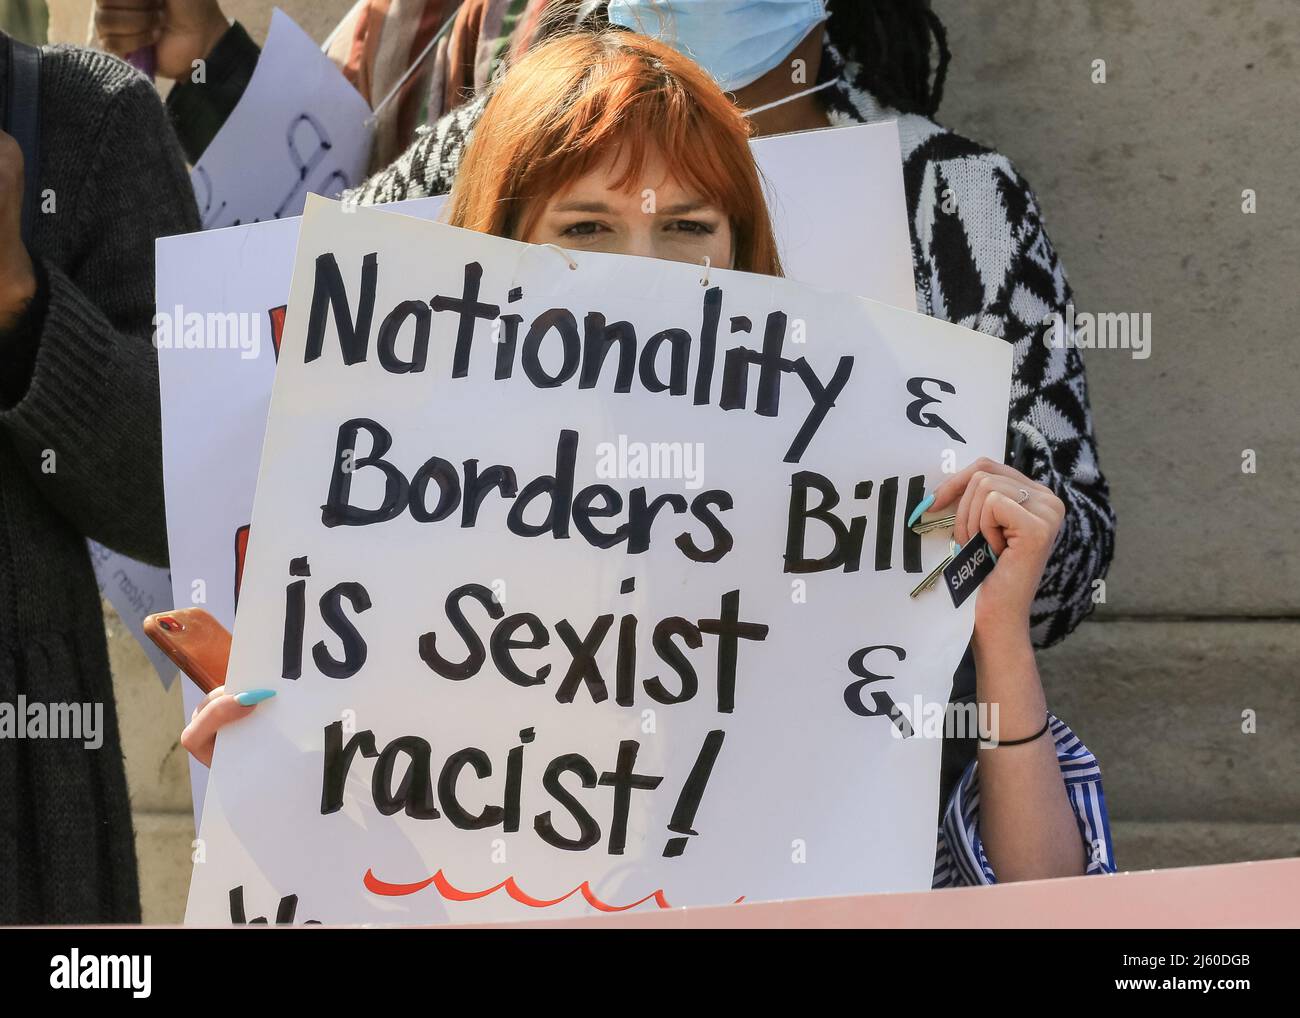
point(195, 642)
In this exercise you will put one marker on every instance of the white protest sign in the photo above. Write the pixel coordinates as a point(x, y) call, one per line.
point(299, 127)
point(585, 589)
point(221, 295)
point(839, 209)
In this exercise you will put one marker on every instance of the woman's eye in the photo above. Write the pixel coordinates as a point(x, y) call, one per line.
point(584, 229)
point(691, 226)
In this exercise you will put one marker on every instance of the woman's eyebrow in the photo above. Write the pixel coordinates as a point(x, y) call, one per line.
point(686, 207)
point(591, 206)
point(582, 206)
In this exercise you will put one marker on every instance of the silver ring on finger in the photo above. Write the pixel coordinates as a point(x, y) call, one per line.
point(1024, 497)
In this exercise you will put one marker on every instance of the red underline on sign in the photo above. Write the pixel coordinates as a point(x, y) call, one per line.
point(452, 893)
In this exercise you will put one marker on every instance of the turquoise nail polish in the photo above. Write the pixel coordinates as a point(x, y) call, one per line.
point(921, 507)
point(251, 696)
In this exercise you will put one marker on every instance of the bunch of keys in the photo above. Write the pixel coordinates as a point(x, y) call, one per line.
point(965, 566)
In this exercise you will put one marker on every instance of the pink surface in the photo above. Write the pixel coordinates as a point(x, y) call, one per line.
point(1247, 894)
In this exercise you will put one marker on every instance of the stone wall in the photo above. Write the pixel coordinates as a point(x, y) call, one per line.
point(1141, 180)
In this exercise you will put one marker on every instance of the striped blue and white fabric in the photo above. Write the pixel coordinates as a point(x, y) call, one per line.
point(960, 860)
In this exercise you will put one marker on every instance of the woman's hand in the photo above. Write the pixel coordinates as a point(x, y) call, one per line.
point(17, 276)
point(216, 711)
point(181, 31)
point(1020, 519)
point(1026, 820)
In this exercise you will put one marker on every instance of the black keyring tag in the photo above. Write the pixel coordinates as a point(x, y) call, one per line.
point(968, 569)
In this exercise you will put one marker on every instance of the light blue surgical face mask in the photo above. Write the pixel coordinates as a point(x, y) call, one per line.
point(736, 41)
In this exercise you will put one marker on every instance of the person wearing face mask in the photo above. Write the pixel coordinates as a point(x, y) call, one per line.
point(981, 254)
point(767, 53)
point(563, 152)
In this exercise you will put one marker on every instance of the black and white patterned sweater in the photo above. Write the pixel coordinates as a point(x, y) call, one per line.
point(982, 259)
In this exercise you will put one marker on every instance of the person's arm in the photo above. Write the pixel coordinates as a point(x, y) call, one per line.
point(80, 400)
point(1016, 818)
point(198, 109)
point(1025, 817)
point(428, 166)
point(210, 59)
point(961, 859)
point(1050, 408)
point(1014, 283)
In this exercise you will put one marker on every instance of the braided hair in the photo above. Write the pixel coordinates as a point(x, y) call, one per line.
point(889, 42)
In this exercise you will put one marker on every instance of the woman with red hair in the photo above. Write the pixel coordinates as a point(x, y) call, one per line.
point(615, 142)
point(612, 141)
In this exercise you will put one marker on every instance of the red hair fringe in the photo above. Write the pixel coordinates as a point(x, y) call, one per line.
point(573, 101)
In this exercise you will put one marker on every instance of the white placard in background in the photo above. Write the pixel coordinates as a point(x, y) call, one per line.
point(135, 589)
point(299, 127)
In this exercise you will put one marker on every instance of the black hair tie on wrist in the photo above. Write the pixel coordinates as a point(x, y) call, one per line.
point(1047, 723)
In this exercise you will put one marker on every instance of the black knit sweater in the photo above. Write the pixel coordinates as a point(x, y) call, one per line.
point(981, 256)
point(80, 456)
